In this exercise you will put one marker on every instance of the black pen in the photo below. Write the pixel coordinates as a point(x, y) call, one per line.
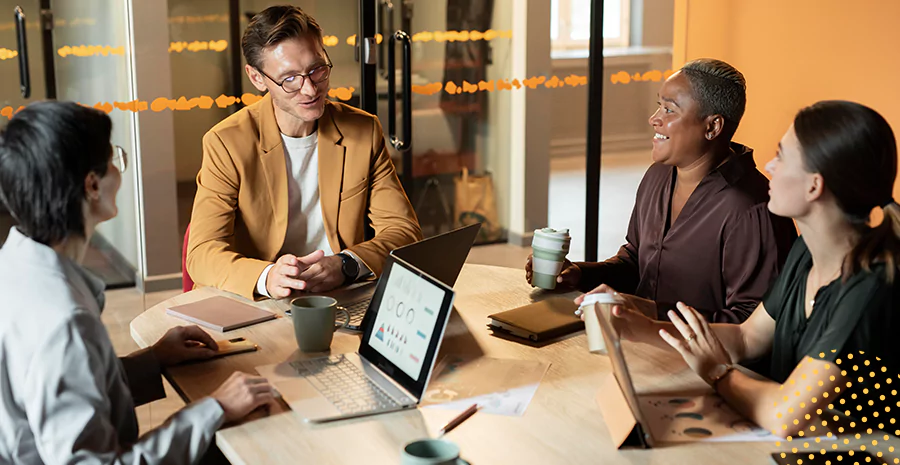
point(458, 420)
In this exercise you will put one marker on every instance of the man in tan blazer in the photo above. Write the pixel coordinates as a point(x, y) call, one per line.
point(289, 184)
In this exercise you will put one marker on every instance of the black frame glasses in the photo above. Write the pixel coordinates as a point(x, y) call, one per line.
point(303, 77)
point(120, 158)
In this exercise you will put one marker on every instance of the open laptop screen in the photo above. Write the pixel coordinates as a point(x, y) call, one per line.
point(405, 323)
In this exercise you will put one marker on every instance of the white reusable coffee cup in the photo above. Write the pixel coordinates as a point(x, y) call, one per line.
point(594, 307)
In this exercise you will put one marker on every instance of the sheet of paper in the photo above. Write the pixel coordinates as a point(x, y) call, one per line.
point(705, 418)
point(499, 386)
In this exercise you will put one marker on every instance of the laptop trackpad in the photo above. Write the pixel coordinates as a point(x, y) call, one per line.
point(304, 399)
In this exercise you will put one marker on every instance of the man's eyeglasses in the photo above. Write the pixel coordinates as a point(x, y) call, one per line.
point(294, 83)
point(120, 158)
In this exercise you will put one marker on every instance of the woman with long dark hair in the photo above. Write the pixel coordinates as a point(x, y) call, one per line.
point(829, 321)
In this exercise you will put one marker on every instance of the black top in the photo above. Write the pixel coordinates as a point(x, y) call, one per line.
point(719, 256)
point(854, 322)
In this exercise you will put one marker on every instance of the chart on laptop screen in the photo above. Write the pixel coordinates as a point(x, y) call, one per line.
point(405, 321)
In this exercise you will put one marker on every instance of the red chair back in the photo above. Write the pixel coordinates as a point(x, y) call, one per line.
point(186, 282)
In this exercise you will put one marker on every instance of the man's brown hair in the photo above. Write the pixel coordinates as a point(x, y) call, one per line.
point(274, 25)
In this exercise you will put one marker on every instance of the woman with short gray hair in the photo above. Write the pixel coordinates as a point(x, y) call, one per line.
point(700, 231)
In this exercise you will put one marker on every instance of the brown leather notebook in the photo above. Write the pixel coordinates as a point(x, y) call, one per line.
point(539, 321)
point(220, 313)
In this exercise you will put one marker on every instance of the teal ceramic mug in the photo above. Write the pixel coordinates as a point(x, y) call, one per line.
point(431, 452)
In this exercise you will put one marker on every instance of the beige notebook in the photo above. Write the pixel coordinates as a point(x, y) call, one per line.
point(221, 313)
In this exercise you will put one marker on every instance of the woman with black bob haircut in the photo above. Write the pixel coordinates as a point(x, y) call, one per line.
point(829, 321)
point(64, 395)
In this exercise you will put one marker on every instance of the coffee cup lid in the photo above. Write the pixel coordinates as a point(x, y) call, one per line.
point(553, 232)
point(602, 298)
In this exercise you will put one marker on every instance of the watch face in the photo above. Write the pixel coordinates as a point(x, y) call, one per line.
point(719, 371)
point(350, 267)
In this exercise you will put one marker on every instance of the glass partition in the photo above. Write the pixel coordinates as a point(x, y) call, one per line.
point(82, 59)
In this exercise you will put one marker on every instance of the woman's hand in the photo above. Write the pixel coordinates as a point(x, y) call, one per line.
point(183, 344)
point(568, 278)
point(645, 307)
point(698, 344)
point(628, 321)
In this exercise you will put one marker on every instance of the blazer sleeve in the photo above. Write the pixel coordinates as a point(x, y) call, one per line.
point(389, 211)
point(211, 258)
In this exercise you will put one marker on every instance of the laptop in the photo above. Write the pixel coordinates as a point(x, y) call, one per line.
point(442, 257)
point(402, 334)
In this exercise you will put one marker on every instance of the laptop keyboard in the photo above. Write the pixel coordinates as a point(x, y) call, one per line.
point(342, 383)
point(357, 311)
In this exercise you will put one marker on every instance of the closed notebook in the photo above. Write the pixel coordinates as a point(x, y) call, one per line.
point(539, 321)
point(220, 313)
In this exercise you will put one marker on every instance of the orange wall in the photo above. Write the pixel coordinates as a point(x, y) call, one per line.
point(794, 53)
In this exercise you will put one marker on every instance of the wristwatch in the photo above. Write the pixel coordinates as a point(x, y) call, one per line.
point(350, 268)
point(718, 372)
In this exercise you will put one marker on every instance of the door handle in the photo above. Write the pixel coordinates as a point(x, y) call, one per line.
point(398, 143)
point(22, 46)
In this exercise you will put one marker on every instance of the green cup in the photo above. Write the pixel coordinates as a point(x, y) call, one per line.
point(431, 452)
point(314, 324)
point(549, 248)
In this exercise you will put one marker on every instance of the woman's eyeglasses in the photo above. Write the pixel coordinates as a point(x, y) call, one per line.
point(120, 158)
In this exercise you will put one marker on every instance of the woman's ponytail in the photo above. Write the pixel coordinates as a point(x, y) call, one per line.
point(880, 244)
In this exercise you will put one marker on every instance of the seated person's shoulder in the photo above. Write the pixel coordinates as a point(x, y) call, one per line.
point(656, 175)
point(57, 323)
point(239, 131)
point(352, 122)
point(753, 187)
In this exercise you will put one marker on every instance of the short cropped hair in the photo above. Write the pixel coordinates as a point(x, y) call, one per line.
point(274, 25)
point(46, 152)
point(718, 87)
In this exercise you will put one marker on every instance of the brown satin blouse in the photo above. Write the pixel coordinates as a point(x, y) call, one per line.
point(721, 254)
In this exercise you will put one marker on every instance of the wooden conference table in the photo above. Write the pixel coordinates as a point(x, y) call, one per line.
point(563, 423)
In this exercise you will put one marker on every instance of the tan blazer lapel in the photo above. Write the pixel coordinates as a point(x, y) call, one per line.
point(331, 174)
point(275, 168)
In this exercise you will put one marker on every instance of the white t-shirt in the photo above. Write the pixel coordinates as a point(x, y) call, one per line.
point(306, 227)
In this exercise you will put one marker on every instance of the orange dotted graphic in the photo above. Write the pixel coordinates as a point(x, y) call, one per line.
point(198, 45)
point(199, 19)
point(853, 408)
point(57, 23)
point(460, 36)
point(622, 77)
point(6, 54)
point(331, 41)
point(89, 50)
point(435, 36)
point(339, 93)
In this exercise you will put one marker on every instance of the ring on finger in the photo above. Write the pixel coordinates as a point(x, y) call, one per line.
point(692, 337)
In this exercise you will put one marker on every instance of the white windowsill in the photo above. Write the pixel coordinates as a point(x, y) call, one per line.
point(581, 54)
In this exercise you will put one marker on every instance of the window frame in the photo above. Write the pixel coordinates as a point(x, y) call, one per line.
point(565, 43)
